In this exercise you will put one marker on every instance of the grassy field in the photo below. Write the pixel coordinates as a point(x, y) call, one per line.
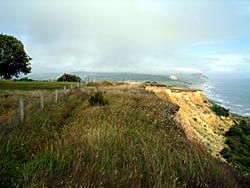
point(133, 141)
point(34, 85)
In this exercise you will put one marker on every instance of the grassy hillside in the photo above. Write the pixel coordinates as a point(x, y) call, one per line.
point(132, 141)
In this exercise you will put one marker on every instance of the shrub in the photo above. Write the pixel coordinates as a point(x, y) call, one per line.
point(69, 78)
point(237, 151)
point(98, 99)
point(220, 111)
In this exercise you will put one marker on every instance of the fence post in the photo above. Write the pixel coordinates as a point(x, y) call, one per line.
point(21, 108)
point(56, 95)
point(42, 101)
point(71, 87)
point(65, 90)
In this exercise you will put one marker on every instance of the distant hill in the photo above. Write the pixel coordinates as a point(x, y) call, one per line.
point(183, 79)
point(99, 76)
point(194, 78)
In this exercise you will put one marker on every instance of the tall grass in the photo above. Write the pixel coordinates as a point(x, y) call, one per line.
point(131, 142)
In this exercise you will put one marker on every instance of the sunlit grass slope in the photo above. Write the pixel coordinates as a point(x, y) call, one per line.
point(131, 142)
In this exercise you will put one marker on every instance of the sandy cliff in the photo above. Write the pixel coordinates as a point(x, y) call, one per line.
point(196, 118)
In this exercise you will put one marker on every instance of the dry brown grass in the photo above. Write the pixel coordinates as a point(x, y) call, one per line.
point(132, 142)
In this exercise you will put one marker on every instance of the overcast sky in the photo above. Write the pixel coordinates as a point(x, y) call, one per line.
point(144, 36)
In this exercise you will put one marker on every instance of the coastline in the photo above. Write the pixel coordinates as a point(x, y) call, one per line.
point(231, 98)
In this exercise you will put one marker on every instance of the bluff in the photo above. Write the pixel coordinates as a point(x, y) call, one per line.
point(195, 116)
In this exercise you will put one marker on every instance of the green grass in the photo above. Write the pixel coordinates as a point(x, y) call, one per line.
point(34, 85)
point(131, 142)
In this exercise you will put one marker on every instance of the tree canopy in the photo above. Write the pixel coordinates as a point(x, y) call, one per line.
point(13, 58)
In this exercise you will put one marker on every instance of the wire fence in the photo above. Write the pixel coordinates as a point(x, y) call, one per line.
point(16, 107)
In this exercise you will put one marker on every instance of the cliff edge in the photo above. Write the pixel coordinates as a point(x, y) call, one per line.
point(195, 116)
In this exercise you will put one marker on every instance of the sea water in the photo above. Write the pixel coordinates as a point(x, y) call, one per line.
point(231, 93)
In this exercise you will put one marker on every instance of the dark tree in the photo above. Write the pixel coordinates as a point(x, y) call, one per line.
point(13, 58)
point(69, 78)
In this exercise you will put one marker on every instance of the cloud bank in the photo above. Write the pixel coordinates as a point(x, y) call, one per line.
point(152, 36)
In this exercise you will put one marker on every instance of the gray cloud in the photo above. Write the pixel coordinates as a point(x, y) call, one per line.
point(120, 35)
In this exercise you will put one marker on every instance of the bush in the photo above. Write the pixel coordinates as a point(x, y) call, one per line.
point(98, 99)
point(237, 151)
point(69, 78)
point(220, 111)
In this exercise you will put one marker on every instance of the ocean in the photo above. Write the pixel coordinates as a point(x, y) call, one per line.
point(231, 93)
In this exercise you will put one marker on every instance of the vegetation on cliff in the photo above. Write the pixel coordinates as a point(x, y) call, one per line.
point(237, 151)
point(220, 111)
point(133, 141)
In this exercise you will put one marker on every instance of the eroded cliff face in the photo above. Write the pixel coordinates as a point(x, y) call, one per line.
point(195, 117)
